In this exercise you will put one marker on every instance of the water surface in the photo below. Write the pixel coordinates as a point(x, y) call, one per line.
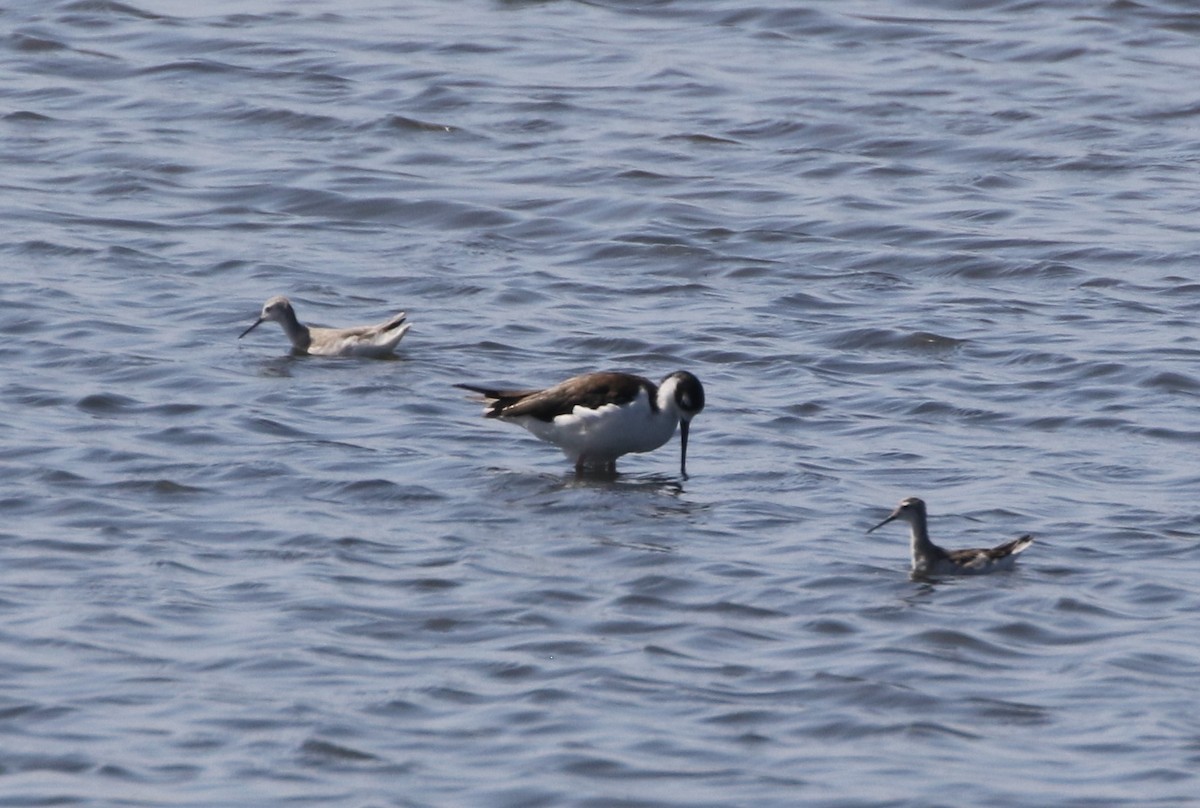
point(912, 248)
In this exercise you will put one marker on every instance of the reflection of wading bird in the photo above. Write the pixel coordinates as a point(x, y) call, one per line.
point(929, 559)
point(597, 417)
point(363, 340)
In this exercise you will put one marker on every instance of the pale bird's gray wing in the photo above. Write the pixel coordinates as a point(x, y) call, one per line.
point(1010, 547)
point(395, 322)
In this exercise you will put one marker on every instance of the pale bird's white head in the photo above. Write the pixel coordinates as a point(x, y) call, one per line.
point(278, 309)
point(910, 509)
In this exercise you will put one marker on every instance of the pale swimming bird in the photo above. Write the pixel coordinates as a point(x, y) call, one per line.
point(364, 340)
point(929, 559)
point(597, 417)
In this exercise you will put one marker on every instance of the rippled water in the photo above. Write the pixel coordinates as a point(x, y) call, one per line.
point(916, 248)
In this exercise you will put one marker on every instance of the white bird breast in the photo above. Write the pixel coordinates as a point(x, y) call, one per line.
point(608, 431)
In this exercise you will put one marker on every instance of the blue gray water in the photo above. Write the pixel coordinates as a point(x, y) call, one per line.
point(912, 248)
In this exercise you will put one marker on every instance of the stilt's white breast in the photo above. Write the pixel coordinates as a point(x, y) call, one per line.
point(606, 432)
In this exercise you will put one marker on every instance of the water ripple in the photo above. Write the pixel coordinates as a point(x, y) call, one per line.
point(909, 250)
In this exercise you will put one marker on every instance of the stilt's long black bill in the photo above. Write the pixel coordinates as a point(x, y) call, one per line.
point(683, 436)
point(256, 324)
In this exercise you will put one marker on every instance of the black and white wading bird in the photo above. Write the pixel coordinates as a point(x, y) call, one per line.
point(597, 417)
point(929, 559)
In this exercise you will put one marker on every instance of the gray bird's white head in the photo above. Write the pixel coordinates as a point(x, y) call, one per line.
point(278, 309)
point(910, 509)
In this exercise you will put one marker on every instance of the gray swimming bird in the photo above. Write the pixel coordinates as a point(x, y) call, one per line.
point(929, 559)
point(597, 417)
point(364, 340)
